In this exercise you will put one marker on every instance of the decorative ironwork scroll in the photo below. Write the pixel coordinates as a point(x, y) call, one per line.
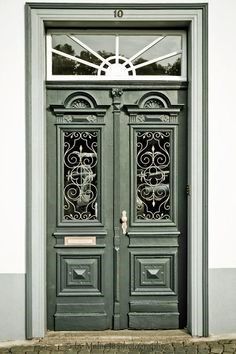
point(153, 175)
point(80, 175)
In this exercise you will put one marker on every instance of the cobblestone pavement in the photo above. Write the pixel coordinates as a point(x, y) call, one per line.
point(138, 343)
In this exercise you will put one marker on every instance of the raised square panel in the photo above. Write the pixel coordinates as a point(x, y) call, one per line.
point(153, 273)
point(79, 275)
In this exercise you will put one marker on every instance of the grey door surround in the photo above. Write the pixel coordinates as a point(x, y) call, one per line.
point(194, 18)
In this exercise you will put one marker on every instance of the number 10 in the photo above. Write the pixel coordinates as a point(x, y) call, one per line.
point(118, 13)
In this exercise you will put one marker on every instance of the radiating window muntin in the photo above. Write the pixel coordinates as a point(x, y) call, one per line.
point(106, 55)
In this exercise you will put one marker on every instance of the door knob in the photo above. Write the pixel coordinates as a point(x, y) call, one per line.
point(123, 221)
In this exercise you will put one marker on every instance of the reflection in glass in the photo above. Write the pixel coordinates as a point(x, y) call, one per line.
point(153, 175)
point(116, 56)
point(80, 175)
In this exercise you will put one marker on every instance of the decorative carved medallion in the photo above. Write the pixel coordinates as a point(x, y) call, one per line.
point(116, 92)
point(80, 103)
point(154, 103)
point(92, 118)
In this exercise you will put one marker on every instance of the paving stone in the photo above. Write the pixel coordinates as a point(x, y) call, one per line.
point(230, 347)
point(167, 347)
point(192, 350)
point(21, 349)
point(178, 345)
point(46, 347)
point(217, 349)
point(68, 347)
point(202, 346)
point(180, 351)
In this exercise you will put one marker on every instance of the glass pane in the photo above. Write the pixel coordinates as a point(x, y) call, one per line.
point(153, 175)
point(101, 44)
point(104, 46)
point(130, 45)
point(116, 55)
point(170, 66)
point(168, 44)
point(80, 175)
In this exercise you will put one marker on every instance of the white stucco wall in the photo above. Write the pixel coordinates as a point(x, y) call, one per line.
point(222, 126)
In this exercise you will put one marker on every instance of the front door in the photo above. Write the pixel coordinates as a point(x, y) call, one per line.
point(116, 240)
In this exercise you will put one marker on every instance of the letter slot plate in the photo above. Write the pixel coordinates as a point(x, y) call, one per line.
point(80, 241)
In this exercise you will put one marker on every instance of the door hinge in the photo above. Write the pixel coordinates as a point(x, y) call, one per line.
point(188, 189)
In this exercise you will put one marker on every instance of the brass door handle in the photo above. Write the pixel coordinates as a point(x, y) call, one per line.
point(124, 222)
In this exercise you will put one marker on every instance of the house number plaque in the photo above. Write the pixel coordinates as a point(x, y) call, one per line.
point(80, 241)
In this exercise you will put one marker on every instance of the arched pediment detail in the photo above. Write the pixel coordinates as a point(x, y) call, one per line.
point(79, 107)
point(154, 107)
point(154, 100)
point(80, 100)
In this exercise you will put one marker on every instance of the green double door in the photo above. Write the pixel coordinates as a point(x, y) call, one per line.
point(116, 186)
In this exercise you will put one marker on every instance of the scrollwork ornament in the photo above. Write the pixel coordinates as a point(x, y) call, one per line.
point(80, 175)
point(153, 175)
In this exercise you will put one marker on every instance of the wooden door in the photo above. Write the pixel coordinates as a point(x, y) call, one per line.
point(116, 250)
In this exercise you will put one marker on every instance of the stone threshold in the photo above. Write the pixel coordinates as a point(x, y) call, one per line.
point(123, 341)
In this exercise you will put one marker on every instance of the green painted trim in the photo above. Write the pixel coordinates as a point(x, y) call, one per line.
point(71, 6)
point(35, 18)
point(205, 173)
point(159, 85)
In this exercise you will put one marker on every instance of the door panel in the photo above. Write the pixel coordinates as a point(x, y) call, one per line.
point(80, 217)
point(111, 151)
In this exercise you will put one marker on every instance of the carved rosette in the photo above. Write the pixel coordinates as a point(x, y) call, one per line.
point(116, 94)
point(64, 119)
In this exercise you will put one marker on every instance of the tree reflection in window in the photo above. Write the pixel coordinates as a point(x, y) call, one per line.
point(68, 60)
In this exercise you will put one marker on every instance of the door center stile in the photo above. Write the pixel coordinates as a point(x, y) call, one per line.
point(116, 94)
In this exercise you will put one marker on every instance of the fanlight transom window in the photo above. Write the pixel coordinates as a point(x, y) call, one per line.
point(122, 55)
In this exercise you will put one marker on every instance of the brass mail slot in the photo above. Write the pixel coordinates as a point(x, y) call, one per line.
point(80, 241)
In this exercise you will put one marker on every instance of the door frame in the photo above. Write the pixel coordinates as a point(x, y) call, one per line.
point(194, 17)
